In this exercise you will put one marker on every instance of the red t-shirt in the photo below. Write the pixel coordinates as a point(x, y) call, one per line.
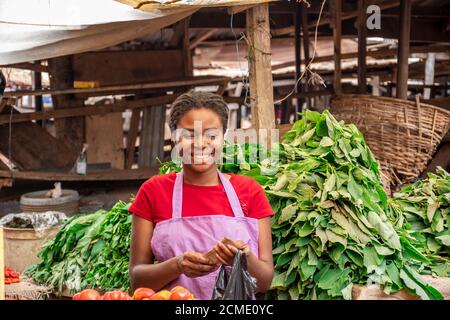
point(154, 199)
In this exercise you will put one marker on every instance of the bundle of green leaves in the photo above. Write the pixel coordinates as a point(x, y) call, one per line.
point(90, 250)
point(330, 229)
point(425, 207)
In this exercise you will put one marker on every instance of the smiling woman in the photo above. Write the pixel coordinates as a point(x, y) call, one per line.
point(179, 217)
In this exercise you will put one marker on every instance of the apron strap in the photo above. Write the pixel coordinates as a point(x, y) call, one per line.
point(231, 195)
point(177, 197)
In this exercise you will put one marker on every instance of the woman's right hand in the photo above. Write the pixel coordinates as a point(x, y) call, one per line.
point(194, 264)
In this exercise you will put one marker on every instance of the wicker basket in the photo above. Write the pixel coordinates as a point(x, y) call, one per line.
point(402, 134)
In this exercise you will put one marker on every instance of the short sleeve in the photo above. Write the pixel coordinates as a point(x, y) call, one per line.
point(141, 205)
point(259, 207)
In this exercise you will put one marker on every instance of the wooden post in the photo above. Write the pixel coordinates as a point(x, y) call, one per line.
point(362, 44)
point(298, 56)
point(132, 136)
point(187, 52)
point(37, 85)
point(70, 130)
point(151, 142)
point(429, 73)
point(2, 266)
point(260, 69)
point(336, 14)
point(305, 31)
point(403, 49)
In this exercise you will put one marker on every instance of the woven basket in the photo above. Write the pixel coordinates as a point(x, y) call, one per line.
point(402, 134)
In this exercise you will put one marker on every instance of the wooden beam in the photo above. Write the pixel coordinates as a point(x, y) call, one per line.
point(362, 46)
point(36, 67)
point(381, 53)
point(88, 110)
point(113, 175)
point(310, 94)
point(202, 37)
point(132, 137)
point(260, 69)
point(403, 49)
point(238, 9)
point(192, 81)
point(386, 4)
point(336, 13)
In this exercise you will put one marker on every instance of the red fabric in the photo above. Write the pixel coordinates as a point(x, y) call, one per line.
point(154, 199)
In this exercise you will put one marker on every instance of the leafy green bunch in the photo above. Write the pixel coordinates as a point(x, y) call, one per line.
point(331, 229)
point(90, 250)
point(425, 209)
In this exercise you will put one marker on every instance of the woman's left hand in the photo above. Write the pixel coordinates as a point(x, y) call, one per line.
point(226, 252)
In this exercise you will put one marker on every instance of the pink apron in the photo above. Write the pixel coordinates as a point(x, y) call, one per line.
point(179, 234)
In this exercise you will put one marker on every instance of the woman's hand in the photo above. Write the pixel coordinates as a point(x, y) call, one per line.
point(225, 252)
point(194, 264)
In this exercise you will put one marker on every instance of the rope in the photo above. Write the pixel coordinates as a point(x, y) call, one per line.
point(315, 78)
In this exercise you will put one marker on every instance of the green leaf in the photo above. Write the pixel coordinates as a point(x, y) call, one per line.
point(444, 239)
point(371, 259)
point(287, 213)
point(278, 281)
point(326, 142)
point(415, 284)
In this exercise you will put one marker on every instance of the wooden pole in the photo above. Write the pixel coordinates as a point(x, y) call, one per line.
point(132, 137)
point(298, 56)
point(37, 85)
point(362, 44)
point(403, 49)
point(2, 266)
point(429, 74)
point(260, 69)
point(336, 13)
point(304, 19)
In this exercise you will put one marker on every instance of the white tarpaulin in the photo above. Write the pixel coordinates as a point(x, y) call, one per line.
point(41, 29)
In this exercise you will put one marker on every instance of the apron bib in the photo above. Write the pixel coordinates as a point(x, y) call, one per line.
point(179, 234)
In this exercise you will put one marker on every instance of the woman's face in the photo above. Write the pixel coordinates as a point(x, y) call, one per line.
point(200, 139)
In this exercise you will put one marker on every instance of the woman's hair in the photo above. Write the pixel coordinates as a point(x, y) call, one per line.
point(197, 100)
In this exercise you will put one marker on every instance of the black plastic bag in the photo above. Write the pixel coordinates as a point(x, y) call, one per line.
point(237, 284)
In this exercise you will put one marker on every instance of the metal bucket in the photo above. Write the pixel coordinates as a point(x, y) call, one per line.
point(38, 201)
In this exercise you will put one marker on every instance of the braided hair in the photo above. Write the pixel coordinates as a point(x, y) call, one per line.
point(197, 100)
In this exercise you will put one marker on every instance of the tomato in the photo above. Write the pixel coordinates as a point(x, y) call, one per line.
point(161, 295)
point(180, 293)
point(87, 294)
point(143, 294)
point(116, 295)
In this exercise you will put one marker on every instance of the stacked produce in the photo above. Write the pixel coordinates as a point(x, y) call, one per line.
point(423, 210)
point(11, 276)
point(90, 250)
point(176, 293)
point(330, 229)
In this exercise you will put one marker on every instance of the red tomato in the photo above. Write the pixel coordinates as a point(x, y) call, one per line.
point(116, 295)
point(87, 294)
point(161, 295)
point(180, 293)
point(143, 294)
